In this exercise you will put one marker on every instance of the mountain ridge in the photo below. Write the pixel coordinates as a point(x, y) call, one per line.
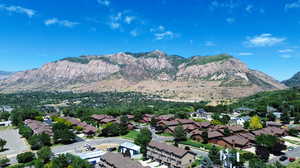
point(171, 76)
point(294, 81)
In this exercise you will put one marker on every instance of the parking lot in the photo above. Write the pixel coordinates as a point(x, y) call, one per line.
point(15, 144)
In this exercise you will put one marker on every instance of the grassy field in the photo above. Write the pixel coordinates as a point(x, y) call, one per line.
point(199, 145)
point(131, 135)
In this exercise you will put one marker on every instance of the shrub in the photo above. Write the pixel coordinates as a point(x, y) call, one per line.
point(25, 157)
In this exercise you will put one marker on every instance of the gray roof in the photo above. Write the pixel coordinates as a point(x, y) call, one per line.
point(118, 161)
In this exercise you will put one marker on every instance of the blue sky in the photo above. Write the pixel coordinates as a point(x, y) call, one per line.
point(265, 34)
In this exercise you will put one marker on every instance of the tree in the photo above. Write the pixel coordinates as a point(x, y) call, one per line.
point(227, 132)
point(271, 117)
point(262, 153)
point(25, 157)
point(20, 114)
point(204, 136)
point(297, 118)
point(45, 154)
point(25, 131)
point(4, 115)
point(293, 132)
point(153, 122)
point(69, 161)
point(285, 118)
point(123, 125)
point(216, 116)
point(143, 139)
point(257, 163)
point(39, 140)
point(4, 161)
point(255, 123)
point(111, 129)
point(225, 119)
point(64, 136)
point(214, 155)
point(179, 135)
point(2, 144)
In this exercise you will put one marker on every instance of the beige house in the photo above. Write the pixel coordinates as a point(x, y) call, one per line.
point(169, 155)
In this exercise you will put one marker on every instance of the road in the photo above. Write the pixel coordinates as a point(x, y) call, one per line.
point(295, 153)
point(71, 148)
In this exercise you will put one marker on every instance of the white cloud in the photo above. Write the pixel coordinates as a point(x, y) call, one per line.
point(65, 23)
point(223, 4)
point(104, 2)
point(134, 33)
point(164, 35)
point(209, 44)
point(286, 50)
point(264, 40)
point(18, 9)
point(245, 54)
point(230, 20)
point(129, 19)
point(249, 8)
point(295, 4)
point(114, 25)
point(286, 56)
point(157, 29)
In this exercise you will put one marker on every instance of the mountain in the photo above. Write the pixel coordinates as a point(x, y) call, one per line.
point(4, 74)
point(294, 81)
point(171, 76)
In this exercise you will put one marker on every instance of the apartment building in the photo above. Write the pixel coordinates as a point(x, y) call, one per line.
point(169, 155)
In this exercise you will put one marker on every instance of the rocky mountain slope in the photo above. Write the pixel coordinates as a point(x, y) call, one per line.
point(4, 74)
point(171, 76)
point(294, 81)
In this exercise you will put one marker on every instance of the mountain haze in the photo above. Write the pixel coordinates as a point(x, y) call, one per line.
point(171, 76)
point(294, 81)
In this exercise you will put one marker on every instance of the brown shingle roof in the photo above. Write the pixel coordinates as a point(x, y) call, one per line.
point(100, 117)
point(169, 148)
point(118, 161)
point(248, 136)
point(236, 140)
point(236, 128)
point(214, 134)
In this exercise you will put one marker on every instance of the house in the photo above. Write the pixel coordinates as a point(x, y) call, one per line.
point(166, 124)
point(87, 129)
point(116, 160)
point(6, 109)
point(236, 129)
point(92, 157)
point(240, 120)
point(243, 110)
point(129, 147)
point(147, 118)
point(200, 113)
point(5, 123)
point(248, 136)
point(234, 141)
point(170, 155)
point(270, 131)
point(196, 135)
point(167, 117)
point(100, 117)
point(273, 124)
point(214, 136)
point(203, 125)
point(38, 127)
point(185, 121)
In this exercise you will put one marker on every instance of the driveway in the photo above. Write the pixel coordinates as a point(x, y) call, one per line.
point(15, 143)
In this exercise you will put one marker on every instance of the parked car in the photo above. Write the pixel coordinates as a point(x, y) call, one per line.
point(290, 148)
point(283, 158)
point(292, 159)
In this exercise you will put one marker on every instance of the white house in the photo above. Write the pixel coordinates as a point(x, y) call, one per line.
point(240, 120)
point(5, 123)
point(92, 157)
point(132, 148)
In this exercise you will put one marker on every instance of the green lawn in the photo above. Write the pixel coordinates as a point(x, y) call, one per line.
point(131, 135)
point(295, 164)
point(199, 144)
